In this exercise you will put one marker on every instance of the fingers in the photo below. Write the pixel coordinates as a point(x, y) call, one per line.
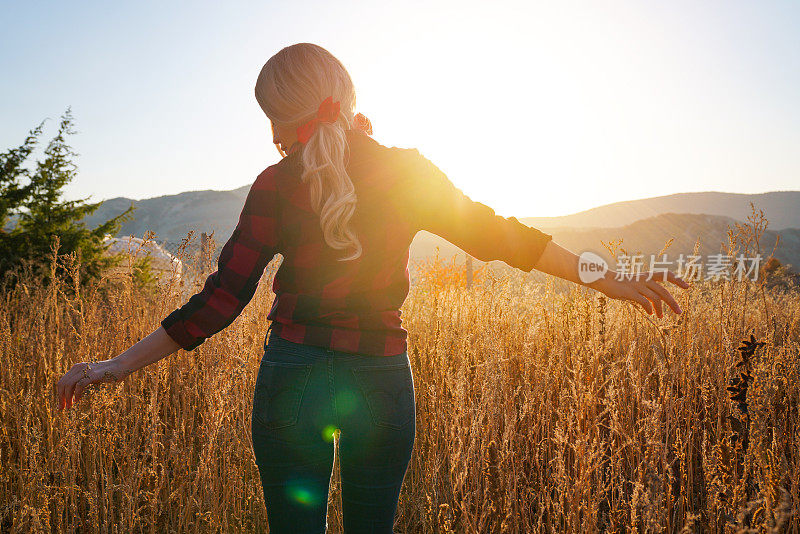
point(663, 275)
point(69, 391)
point(80, 386)
point(67, 382)
point(641, 299)
point(653, 297)
point(664, 294)
point(645, 289)
point(677, 280)
point(72, 385)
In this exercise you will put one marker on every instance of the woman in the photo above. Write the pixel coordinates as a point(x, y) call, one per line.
point(342, 209)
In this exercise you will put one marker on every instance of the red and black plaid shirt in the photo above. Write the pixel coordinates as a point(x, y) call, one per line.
point(351, 306)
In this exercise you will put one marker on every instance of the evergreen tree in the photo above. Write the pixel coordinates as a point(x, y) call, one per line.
point(12, 192)
point(35, 197)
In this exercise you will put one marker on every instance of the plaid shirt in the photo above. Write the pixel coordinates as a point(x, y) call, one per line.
point(350, 306)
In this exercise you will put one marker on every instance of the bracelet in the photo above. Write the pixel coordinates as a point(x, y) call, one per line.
point(108, 376)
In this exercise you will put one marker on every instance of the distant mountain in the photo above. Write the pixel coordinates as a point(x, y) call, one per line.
point(172, 216)
point(644, 225)
point(649, 236)
point(782, 208)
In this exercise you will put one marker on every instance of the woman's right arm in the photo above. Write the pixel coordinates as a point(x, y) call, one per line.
point(150, 349)
point(225, 293)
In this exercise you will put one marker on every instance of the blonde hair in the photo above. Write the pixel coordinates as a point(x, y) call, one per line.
point(289, 89)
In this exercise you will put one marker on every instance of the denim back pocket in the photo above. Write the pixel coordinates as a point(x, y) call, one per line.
point(389, 390)
point(279, 391)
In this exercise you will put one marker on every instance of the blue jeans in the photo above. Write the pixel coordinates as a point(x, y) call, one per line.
point(303, 394)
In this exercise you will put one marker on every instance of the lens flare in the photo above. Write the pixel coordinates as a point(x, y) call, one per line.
point(302, 491)
point(327, 432)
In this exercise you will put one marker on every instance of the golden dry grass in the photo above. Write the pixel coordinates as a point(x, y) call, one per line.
point(538, 410)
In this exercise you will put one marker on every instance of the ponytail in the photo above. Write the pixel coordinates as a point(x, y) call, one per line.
point(333, 196)
point(289, 89)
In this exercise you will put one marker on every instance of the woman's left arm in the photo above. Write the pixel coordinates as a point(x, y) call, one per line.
point(642, 288)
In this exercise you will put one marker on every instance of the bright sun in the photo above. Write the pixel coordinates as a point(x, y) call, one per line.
point(554, 114)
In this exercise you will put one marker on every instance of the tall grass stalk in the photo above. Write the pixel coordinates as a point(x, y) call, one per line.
point(538, 410)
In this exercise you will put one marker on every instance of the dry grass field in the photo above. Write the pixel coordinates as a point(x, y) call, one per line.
point(539, 409)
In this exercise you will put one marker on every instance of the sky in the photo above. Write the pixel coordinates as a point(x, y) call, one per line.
point(533, 108)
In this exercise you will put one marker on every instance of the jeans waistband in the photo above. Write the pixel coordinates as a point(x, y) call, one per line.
point(273, 338)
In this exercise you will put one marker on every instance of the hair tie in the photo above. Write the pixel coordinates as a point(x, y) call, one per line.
point(361, 122)
point(328, 112)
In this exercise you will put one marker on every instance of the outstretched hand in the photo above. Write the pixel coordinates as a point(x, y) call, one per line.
point(147, 350)
point(643, 288)
point(72, 385)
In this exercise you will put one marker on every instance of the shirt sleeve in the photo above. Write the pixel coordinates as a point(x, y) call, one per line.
point(438, 206)
point(241, 264)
